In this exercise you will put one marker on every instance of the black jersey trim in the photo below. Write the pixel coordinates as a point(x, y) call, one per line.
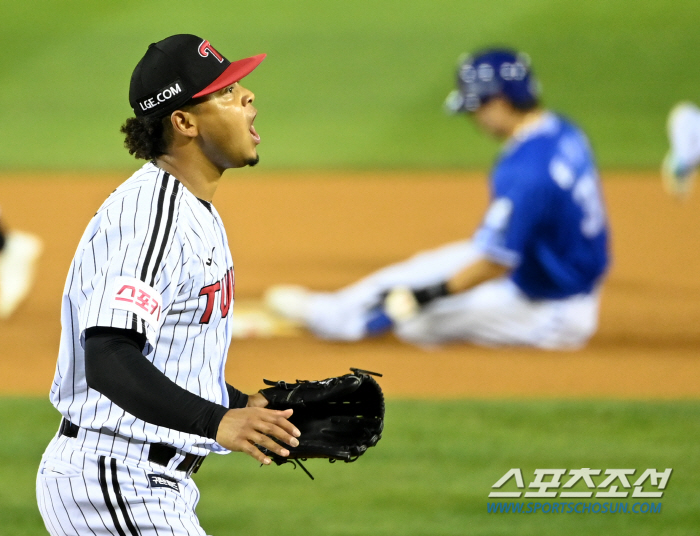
point(163, 206)
point(168, 225)
point(207, 204)
point(156, 227)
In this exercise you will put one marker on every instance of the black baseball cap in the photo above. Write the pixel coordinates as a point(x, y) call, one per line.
point(179, 68)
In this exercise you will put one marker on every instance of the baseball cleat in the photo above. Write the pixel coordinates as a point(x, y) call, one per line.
point(288, 301)
point(677, 178)
point(17, 266)
point(251, 320)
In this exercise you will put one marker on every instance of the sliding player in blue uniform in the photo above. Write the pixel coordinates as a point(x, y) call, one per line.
point(531, 273)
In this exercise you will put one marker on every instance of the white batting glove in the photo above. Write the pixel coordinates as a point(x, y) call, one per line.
point(401, 304)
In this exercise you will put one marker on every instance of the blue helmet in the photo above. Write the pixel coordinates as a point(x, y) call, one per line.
point(491, 73)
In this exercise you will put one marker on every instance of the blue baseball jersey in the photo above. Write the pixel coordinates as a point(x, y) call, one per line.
point(547, 220)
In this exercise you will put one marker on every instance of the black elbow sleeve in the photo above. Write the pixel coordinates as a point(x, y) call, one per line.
point(105, 349)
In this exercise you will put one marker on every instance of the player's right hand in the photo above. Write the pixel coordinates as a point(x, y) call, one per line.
point(242, 429)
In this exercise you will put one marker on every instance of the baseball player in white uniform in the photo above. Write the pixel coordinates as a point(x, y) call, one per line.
point(19, 253)
point(531, 273)
point(146, 314)
point(680, 164)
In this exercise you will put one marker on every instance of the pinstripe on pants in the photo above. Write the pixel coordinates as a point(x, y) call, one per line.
point(84, 493)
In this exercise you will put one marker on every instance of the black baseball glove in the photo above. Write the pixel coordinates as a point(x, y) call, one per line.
point(339, 418)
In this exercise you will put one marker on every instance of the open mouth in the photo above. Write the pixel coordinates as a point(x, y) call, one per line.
point(254, 133)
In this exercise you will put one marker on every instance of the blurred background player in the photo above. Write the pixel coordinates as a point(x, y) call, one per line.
point(683, 157)
point(531, 273)
point(19, 252)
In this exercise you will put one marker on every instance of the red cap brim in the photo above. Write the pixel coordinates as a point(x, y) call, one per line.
point(233, 73)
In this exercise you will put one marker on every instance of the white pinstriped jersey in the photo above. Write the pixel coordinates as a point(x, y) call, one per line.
point(156, 259)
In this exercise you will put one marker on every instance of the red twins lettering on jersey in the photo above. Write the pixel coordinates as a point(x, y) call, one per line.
point(205, 49)
point(226, 288)
point(133, 295)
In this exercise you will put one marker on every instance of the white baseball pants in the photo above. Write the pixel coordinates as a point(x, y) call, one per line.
point(684, 134)
point(494, 313)
point(89, 493)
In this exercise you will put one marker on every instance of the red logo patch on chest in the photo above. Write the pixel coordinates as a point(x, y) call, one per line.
point(226, 288)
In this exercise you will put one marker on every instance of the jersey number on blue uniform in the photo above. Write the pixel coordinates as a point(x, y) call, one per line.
point(587, 196)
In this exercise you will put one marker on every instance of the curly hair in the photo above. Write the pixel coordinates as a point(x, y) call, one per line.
point(147, 137)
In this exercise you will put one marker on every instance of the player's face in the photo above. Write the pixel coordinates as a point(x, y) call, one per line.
point(225, 126)
point(495, 117)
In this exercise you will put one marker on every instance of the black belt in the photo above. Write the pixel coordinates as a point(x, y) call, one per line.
point(162, 454)
point(157, 452)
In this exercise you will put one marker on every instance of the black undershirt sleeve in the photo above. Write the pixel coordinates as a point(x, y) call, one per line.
point(115, 366)
point(236, 399)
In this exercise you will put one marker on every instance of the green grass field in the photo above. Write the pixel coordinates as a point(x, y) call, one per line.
point(347, 84)
point(430, 474)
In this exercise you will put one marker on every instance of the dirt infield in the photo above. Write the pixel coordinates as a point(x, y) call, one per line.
point(326, 230)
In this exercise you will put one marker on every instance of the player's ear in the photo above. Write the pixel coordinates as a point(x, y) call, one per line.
point(184, 123)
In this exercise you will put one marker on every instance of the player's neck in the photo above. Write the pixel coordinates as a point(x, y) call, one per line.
point(198, 175)
point(525, 120)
